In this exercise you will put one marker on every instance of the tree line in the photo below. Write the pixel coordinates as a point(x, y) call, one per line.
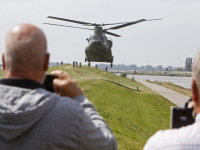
point(139, 68)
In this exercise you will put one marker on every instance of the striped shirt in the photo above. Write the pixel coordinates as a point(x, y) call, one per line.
point(185, 138)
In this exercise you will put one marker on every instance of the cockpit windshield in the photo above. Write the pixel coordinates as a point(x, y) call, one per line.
point(98, 37)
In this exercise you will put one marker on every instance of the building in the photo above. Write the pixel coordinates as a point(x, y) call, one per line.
point(188, 64)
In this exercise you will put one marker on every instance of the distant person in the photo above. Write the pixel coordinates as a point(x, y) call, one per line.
point(32, 118)
point(184, 138)
point(106, 69)
point(57, 63)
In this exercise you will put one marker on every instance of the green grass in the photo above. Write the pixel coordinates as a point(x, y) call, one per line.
point(1, 73)
point(86, 72)
point(174, 87)
point(133, 116)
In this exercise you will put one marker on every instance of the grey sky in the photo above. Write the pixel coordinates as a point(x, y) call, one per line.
point(166, 42)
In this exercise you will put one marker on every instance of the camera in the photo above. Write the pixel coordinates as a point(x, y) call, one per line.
point(182, 116)
point(48, 82)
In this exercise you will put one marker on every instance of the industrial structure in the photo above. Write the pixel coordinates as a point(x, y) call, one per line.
point(188, 64)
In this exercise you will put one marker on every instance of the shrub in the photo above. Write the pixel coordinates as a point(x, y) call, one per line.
point(123, 75)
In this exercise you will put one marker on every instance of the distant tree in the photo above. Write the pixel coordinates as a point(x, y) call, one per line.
point(148, 68)
point(179, 69)
point(132, 67)
point(123, 75)
point(159, 68)
point(142, 68)
point(170, 68)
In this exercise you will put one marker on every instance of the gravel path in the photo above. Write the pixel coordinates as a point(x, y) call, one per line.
point(174, 97)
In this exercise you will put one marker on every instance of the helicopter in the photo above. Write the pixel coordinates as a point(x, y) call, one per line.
point(99, 46)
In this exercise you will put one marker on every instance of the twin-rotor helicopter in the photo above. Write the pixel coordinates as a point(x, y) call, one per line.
point(99, 46)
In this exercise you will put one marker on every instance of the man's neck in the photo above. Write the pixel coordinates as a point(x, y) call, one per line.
point(32, 75)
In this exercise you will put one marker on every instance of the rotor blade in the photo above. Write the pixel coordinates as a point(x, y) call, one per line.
point(110, 33)
point(74, 21)
point(131, 23)
point(153, 19)
point(113, 23)
point(67, 26)
point(127, 24)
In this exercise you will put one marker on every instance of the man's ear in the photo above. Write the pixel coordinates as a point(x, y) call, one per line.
point(195, 91)
point(3, 62)
point(46, 62)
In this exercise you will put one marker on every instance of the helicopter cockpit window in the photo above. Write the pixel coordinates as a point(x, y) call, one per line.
point(98, 37)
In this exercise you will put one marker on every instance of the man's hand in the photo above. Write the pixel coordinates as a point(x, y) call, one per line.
point(64, 85)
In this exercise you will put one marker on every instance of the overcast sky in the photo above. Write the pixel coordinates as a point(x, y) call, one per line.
point(166, 42)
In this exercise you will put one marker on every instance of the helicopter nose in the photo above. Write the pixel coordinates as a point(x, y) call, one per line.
point(97, 42)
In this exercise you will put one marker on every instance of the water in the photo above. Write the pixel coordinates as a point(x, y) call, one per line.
point(182, 81)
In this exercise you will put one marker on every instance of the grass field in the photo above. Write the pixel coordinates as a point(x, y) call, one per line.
point(133, 116)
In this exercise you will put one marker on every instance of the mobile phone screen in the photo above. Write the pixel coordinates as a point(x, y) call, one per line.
point(48, 82)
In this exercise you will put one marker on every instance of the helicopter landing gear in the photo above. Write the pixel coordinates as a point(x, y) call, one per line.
point(88, 64)
point(87, 59)
point(111, 65)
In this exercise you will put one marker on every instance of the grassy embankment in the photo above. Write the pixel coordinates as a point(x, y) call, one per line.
point(133, 116)
point(166, 73)
point(160, 73)
point(174, 87)
point(1, 73)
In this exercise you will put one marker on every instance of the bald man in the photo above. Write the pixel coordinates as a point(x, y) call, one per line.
point(34, 119)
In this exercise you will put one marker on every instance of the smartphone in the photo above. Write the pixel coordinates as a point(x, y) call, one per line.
point(181, 116)
point(48, 82)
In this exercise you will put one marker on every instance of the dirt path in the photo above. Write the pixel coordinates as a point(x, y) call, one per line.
point(174, 97)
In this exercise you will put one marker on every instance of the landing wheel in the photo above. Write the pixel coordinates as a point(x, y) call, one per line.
point(111, 65)
point(89, 64)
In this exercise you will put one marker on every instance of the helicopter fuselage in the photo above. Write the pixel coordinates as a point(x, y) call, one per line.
point(99, 47)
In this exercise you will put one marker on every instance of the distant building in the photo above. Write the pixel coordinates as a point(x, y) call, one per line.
point(188, 64)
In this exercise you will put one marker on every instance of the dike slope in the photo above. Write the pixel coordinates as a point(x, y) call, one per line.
point(132, 115)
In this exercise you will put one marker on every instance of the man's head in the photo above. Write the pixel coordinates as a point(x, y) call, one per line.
point(26, 53)
point(196, 83)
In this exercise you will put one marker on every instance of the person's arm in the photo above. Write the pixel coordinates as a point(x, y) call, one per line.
point(95, 134)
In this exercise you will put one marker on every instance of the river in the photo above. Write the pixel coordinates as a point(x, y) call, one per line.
point(182, 81)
